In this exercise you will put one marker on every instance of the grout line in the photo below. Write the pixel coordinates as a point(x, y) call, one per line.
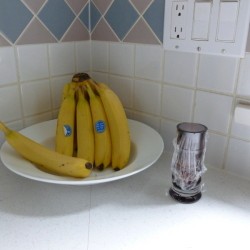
point(19, 83)
point(35, 17)
point(162, 81)
point(163, 61)
point(75, 57)
point(91, 57)
point(134, 78)
point(24, 30)
point(195, 88)
point(50, 78)
point(230, 122)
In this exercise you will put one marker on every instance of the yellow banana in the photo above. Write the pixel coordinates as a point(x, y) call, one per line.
point(65, 122)
point(65, 90)
point(45, 158)
point(101, 130)
point(84, 128)
point(119, 129)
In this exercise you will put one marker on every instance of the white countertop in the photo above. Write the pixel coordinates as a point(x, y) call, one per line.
point(132, 213)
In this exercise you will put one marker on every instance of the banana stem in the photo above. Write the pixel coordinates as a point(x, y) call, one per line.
point(4, 129)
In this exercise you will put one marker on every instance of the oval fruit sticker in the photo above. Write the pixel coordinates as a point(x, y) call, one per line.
point(100, 126)
point(67, 130)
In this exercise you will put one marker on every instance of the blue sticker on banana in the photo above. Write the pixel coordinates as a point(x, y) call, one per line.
point(100, 126)
point(67, 130)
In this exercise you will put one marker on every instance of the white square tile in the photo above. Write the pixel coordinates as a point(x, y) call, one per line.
point(123, 87)
point(62, 58)
point(121, 58)
point(16, 125)
point(33, 62)
point(147, 96)
point(57, 85)
point(10, 103)
point(36, 97)
point(100, 56)
point(240, 130)
point(83, 56)
point(244, 76)
point(100, 77)
point(215, 150)
point(8, 70)
point(152, 121)
point(130, 114)
point(38, 118)
point(148, 62)
point(168, 132)
point(213, 110)
point(217, 73)
point(238, 158)
point(180, 68)
point(177, 103)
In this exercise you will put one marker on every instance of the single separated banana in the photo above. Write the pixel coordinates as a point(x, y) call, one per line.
point(64, 143)
point(119, 128)
point(45, 158)
point(84, 127)
point(101, 130)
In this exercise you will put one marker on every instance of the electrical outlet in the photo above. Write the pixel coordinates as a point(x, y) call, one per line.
point(216, 27)
point(178, 20)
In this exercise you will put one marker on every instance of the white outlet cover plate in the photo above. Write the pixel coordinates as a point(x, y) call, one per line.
point(212, 45)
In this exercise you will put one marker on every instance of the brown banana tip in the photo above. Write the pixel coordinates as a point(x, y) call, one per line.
point(89, 165)
point(117, 169)
point(80, 77)
point(101, 167)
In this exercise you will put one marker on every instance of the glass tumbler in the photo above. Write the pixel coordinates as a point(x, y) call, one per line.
point(187, 166)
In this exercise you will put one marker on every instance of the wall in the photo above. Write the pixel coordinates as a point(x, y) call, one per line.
point(160, 88)
point(42, 44)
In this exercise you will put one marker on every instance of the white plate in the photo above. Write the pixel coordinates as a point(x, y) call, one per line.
point(147, 147)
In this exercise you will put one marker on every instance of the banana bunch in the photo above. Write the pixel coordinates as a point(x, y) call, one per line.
point(96, 124)
point(118, 123)
point(66, 122)
point(46, 159)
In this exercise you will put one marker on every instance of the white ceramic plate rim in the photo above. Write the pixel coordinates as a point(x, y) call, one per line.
point(147, 147)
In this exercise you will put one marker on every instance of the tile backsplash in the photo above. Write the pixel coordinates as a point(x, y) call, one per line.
point(163, 88)
point(160, 88)
point(32, 77)
point(43, 21)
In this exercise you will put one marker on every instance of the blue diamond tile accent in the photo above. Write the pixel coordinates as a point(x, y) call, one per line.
point(84, 16)
point(57, 16)
point(14, 17)
point(95, 16)
point(121, 16)
point(155, 17)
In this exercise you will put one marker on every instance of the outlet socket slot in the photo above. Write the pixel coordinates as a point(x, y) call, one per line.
point(178, 20)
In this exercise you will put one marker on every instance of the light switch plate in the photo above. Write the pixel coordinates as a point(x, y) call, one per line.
point(223, 35)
